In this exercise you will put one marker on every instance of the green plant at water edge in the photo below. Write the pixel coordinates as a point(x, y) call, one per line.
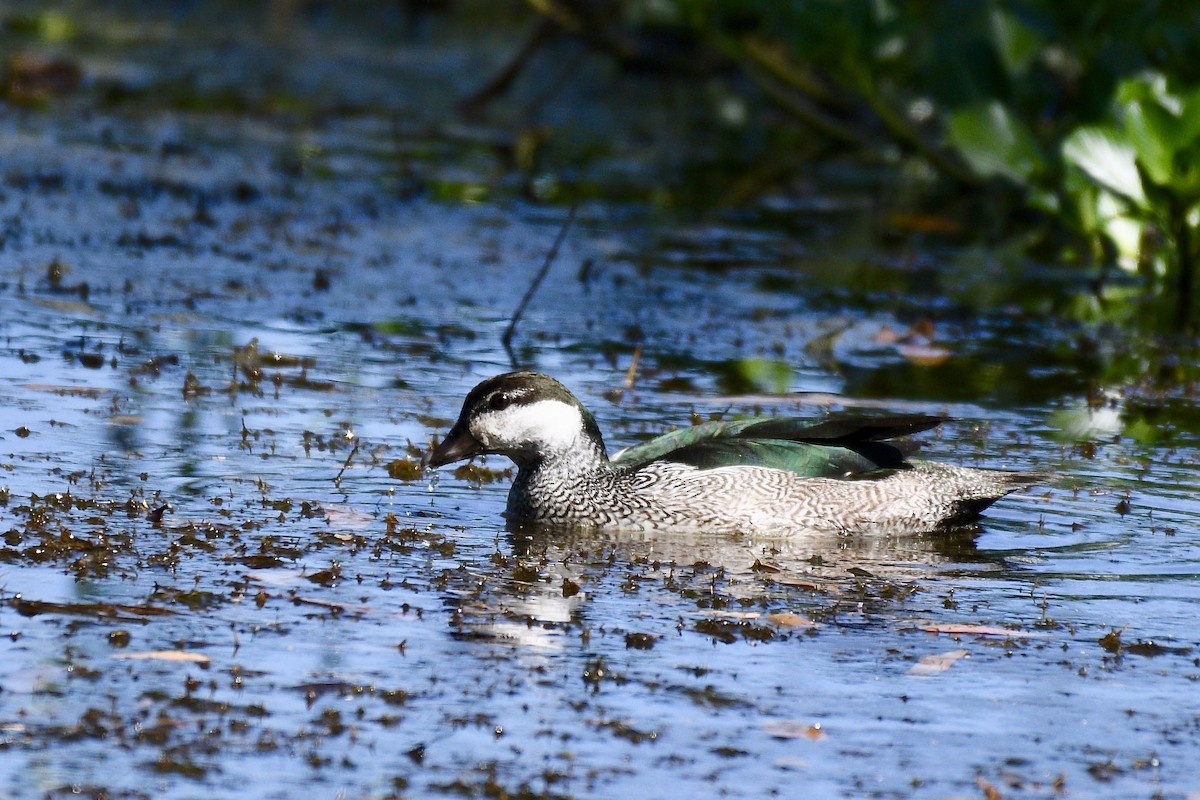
point(1129, 183)
point(1141, 182)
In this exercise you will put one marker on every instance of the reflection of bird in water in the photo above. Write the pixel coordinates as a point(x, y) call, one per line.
point(816, 562)
point(549, 583)
point(752, 475)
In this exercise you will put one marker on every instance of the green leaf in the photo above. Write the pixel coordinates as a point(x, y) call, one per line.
point(1046, 201)
point(1097, 212)
point(1016, 43)
point(994, 142)
point(1122, 230)
point(1144, 125)
point(1082, 201)
point(1163, 126)
point(1155, 125)
point(1190, 113)
point(1106, 157)
point(768, 375)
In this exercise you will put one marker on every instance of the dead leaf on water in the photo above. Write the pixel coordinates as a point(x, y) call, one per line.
point(275, 577)
point(924, 355)
point(990, 792)
point(937, 663)
point(916, 344)
point(167, 655)
point(962, 629)
point(346, 517)
point(722, 614)
point(66, 306)
point(794, 729)
point(790, 620)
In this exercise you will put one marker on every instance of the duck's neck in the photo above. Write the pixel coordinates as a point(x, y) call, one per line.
point(563, 485)
point(583, 456)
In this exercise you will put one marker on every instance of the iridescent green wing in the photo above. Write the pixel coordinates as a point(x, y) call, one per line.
point(833, 448)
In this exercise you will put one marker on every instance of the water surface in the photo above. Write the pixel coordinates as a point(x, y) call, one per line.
point(220, 560)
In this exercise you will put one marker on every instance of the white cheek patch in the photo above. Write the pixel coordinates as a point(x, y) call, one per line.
point(549, 424)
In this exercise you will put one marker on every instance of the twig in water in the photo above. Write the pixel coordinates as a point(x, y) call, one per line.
point(633, 365)
point(506, 339)
point(337, 481)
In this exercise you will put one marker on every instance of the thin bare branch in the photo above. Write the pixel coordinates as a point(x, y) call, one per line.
point(506, 339)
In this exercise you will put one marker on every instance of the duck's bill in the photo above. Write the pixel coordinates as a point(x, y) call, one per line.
point(458, 444)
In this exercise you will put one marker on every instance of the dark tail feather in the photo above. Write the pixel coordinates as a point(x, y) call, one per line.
point(841, 431)
point(969, 509)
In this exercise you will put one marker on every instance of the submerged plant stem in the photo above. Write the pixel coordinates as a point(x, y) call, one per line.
point(506, 339)
point(337, 480)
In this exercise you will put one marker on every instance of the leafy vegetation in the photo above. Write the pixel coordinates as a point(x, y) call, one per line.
point(1090, 113)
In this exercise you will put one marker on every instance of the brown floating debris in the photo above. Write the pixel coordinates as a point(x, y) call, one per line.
point(405, 469)
point(156, 515)
point(639, 641)
point(76, 391)
point(336, 608)
point(91, 360)
point(32, 608)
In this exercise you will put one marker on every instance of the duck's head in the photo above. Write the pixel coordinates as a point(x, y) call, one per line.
point(526, 416)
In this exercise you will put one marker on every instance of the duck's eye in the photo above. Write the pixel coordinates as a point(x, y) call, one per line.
point(499, 401)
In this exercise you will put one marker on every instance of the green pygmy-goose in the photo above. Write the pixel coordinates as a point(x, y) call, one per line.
point(754, 475)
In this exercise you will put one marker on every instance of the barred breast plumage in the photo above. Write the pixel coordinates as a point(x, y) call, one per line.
point(774, 475)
